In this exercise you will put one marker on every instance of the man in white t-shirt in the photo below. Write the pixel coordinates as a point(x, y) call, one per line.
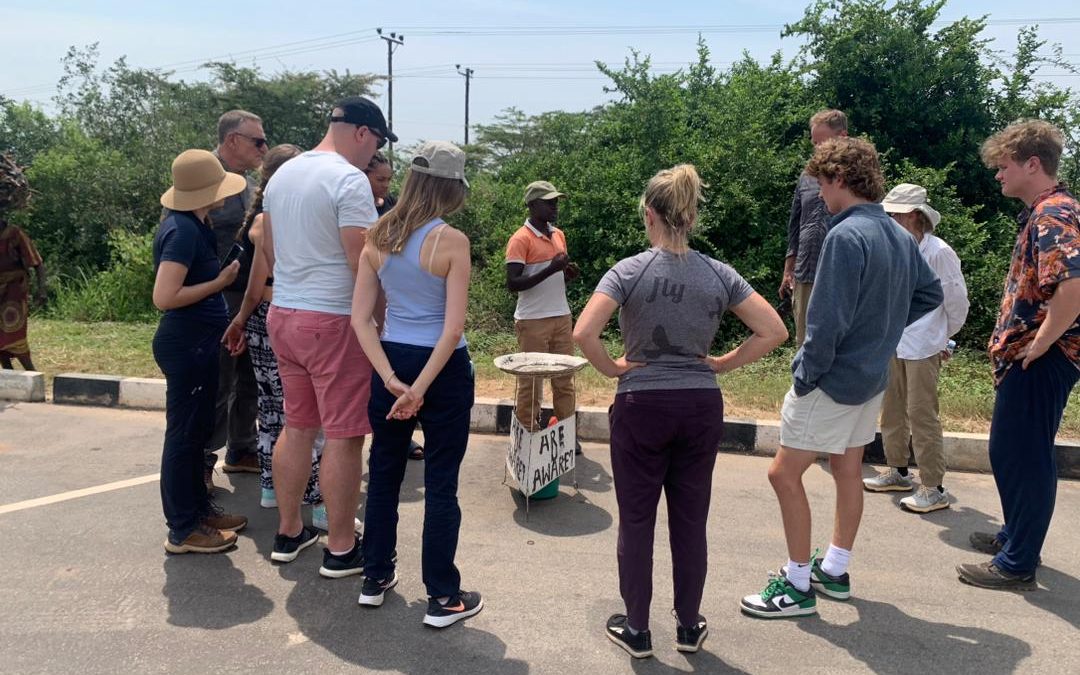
point(318, 207)
point(537, 269)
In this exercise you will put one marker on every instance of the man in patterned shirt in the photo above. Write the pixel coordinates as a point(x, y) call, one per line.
point(1035, 350)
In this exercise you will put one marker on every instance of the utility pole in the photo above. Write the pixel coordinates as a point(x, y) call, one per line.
point(393, 41)
point(467, 74)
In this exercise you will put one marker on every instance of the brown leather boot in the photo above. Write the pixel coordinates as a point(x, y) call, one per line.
point(204, 539)
point(226, 522)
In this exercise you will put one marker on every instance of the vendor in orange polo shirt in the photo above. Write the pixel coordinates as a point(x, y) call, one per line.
point(537, 269)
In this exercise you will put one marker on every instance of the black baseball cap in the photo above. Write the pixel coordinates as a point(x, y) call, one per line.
point(362, 112)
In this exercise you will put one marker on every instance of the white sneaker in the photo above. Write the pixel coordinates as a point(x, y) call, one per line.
point(889, 481)
point(268, 500)
point(320, 522)
point(926, 499)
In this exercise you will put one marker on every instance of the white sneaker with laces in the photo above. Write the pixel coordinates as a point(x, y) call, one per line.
point(889, 481)
point(926, 499)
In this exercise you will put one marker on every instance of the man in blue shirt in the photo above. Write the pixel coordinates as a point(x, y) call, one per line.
point(871, 283)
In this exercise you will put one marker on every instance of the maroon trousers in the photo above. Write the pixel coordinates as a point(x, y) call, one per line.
point(664, 439)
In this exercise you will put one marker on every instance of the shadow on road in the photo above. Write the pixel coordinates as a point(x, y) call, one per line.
point(891, 642)
point(210, 592)
point(571, 514)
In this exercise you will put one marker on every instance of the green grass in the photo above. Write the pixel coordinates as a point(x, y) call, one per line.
point(757, 390)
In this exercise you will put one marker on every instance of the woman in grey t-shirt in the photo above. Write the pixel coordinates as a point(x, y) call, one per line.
point(667, 419)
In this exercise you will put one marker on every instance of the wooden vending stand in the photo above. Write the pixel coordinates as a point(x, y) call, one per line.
point(536, 459)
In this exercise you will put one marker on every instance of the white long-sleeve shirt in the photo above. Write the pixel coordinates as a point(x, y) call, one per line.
point(929, 334)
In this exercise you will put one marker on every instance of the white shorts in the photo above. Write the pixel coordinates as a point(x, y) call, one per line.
point(817, 423)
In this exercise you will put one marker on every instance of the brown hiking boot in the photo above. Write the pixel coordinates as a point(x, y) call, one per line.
point(246, 464)
point(226, 522)
point(204, 539)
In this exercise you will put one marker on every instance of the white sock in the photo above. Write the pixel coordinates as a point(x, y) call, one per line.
point(836, 561)
point(799, 575)
point(341, 553)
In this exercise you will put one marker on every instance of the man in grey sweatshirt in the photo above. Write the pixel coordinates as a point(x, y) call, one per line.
point(871, 283)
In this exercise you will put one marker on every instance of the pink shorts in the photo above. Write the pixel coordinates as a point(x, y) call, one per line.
point(325, 375)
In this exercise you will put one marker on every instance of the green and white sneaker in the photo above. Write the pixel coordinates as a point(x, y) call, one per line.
point(780, 600)
point(837, 588)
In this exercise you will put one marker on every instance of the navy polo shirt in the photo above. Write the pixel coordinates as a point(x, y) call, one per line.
point(183, 238)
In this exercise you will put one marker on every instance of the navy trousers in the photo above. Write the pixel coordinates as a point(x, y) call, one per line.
point(445, 416)
point(1027, 413)
point(187, 353)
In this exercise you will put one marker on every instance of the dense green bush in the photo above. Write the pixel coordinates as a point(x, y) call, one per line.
point(927, 94)
point(121, 292)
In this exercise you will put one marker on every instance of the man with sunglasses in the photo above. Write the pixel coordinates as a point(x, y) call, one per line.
point(240, 149)
point(317, 209)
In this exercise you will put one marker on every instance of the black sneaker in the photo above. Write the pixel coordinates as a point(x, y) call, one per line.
point(618, 631)
point(461, 606)
point(689, 640)
point(373, 591)
point(287, 548)
point(337, 566)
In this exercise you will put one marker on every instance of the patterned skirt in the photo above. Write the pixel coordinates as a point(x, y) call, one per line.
point(272, 404)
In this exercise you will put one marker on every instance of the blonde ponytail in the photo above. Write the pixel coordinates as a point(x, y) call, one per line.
point(673, 194)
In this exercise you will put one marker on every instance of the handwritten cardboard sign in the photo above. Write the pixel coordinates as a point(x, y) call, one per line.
point(535, 458)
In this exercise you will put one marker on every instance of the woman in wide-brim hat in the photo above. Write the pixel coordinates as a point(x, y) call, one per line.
point(187, 288)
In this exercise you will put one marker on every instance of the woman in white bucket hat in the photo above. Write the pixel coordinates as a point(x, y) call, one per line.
point(910, 407)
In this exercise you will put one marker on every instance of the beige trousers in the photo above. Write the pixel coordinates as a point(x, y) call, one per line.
point(553, 335)
point(800, 298)
point(910, 411)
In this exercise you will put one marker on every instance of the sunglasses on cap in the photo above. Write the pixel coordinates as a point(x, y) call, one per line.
point(376, 134)
point(259, 143)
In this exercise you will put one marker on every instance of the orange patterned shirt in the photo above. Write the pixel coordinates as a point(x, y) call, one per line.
point(1047, 252)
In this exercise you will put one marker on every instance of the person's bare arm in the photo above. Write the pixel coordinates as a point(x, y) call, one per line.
point(1061, 312)
point(353, 240)
point(171, 293)
point(587, 333)
point(260, 270)
point(517, 280)
point(768, 330)
point(42, 291)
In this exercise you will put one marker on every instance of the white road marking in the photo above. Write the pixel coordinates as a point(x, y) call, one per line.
point(76, 494)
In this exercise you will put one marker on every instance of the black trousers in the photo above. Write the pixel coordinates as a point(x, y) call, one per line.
point(187, 353)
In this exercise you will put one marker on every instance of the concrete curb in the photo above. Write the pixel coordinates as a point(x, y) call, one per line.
point(22, 385)
point(963, 452)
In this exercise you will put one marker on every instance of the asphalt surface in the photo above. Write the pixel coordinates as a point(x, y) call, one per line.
point(86, 587)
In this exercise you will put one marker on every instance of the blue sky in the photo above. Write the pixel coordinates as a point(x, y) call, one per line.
point(533, 73)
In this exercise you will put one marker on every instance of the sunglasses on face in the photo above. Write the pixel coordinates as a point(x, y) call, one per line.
point(259, 143)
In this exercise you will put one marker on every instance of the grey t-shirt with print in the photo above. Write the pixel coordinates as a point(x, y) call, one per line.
point(670, 309)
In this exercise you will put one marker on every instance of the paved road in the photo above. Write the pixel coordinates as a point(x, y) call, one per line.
point(85, 585)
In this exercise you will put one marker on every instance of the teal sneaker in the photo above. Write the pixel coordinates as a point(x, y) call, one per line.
point(837, 588)
point(780, 600)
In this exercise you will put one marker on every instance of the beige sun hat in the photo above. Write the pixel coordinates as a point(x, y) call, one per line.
point(440, 158)
point(199, 180)
point(540, 189)
point(907, 197)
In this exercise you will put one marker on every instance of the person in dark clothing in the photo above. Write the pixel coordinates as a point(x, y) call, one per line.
point(668, 415)
point(187, 288)
point(241, 148)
